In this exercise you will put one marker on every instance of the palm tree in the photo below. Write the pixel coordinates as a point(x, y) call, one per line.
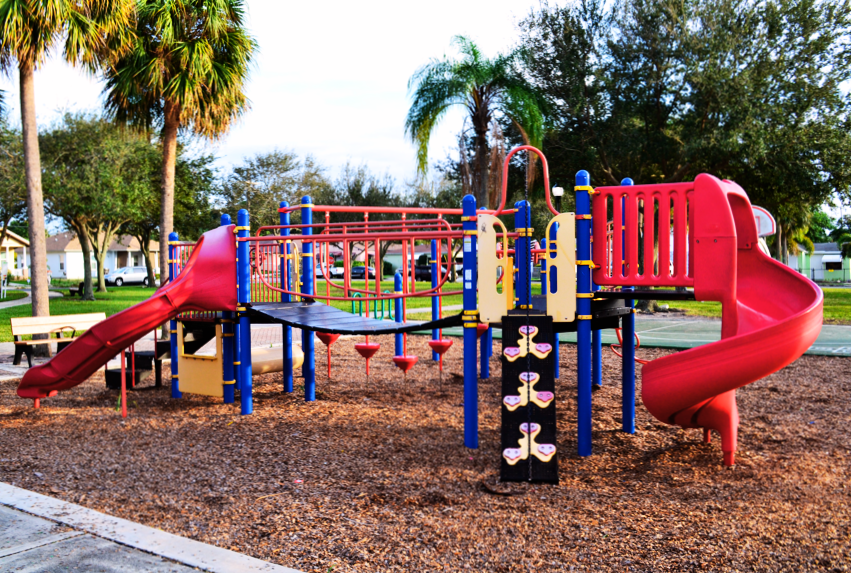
point(484, 87)
point(89, 32)
point(186, 69)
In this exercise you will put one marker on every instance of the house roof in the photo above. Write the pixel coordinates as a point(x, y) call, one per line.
point(14, 241)
point(67, 241)
point(825, 248)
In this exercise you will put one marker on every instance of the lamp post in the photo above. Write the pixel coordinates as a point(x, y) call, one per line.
point(558, 192)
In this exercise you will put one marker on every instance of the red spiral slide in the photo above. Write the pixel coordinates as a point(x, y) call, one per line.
point(206, 282)
point(771, 316)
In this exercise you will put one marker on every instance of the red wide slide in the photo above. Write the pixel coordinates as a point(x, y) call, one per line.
point(771, 316)
point(206, 282)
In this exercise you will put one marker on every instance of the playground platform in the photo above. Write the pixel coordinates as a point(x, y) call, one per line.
point(39, 533)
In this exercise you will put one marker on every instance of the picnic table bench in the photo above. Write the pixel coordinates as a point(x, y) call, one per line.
point(60, 325)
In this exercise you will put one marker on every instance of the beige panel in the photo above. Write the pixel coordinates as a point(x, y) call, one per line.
point(493, 305)
point(265, 360)
point(561, 305)
point(200, 374)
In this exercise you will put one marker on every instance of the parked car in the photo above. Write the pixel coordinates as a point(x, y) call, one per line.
point(360, 272)
point(333, 272)
point(127, 275)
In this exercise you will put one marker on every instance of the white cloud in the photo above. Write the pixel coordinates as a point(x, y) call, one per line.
point(330, 78)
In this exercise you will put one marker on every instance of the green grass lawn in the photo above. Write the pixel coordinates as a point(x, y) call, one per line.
point(837, 306)
point(837, 303)
point(14, 295)
point(116, 300)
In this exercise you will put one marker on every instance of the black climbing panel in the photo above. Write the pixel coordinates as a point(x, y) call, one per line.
point(528, 399)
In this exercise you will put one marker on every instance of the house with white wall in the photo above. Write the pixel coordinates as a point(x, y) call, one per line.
point(65, 255)
point(825, 263)
point(13, 254)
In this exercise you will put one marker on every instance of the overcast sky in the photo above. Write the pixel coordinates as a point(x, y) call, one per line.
point(330, 78)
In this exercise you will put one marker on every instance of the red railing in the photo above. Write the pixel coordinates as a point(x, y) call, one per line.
point(652, 243)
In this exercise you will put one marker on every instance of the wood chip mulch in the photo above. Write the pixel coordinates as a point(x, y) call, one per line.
point(376, 478)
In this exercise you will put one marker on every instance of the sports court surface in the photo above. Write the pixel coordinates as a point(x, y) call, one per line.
point(834, 340)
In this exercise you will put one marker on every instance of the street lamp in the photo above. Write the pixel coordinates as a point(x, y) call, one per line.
point(557, 193)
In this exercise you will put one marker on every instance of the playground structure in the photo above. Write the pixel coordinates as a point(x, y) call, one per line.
point(593, 269)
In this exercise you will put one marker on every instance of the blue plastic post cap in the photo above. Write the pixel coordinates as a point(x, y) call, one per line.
point(242, 217)
point(583, 178)
point(627, 181)
point(306, 200)
point(284, 204)
point(225, 219)
point(172, 236)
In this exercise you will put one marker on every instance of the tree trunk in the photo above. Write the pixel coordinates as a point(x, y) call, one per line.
point(35, 202)
point(169, 139)
point(145, 246)
point(86, 247)
point(779, 241)
point(480, 170)
point(95, 235)
point(35, 199)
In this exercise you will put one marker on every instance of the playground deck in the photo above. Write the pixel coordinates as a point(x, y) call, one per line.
point(376, 479)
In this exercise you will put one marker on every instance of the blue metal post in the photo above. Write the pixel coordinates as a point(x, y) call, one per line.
point(485, 346)
point(435, 310)
point(628, 368)
point(284, 219)
point(583, 304)
point(172, 325)
point(544, 286)
point(523, 290)
point(227, 345)
point(308, 369)
point(596, 353)
point(243, 272)
point(399, 349)
point(471, 382)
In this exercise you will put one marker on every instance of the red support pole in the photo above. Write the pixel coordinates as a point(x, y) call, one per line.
point(123, 387)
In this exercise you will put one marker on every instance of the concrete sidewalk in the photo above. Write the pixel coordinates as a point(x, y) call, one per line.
point(40, 534)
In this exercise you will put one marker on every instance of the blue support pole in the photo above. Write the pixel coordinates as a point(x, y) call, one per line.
point(523, 290)
point(435, 310)
point(284, 219)
point(308, 368)
point(172, 325)
point(544, 286)
point(596, 353)
point(471, 381)
point(628, 368)
point(399, 346)
point(583, 304)
point(243, 271)
point(485, 346)
point(227, 345)
point(484, 356)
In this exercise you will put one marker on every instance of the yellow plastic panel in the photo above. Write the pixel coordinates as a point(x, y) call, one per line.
point(561, 304)
point(493, 304)
point(200, 374)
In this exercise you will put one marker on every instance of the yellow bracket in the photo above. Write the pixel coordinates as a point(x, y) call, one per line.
point(584, 316)
point(469, 218)
point(307, 205)
point(471, 233)
point(587, 188)
point(588, 263)
point(584, 295)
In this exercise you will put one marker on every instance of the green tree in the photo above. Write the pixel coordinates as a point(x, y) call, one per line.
point(663, 90)
point(186, 69)
point(261, 182)
point(195, 186)
point(486, 88)
point(13, 186)
point(88, 32)
point(92, 181)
